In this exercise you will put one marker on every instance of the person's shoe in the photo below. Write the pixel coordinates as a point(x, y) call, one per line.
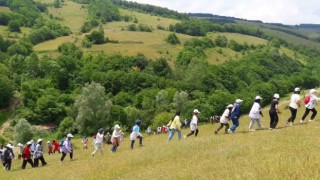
point(311, 120)
point(44, 164)
point(270, 128)
point(230, 131)
point(301, 121)
point(285, 124)
point(251, 130)
point(216, 132)
point(140, 145)
point(184, 137)
point(290, 124)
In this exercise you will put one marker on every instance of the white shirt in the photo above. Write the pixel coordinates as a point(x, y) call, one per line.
point(99, 138)
point(116, 133)
point(294, 101)
point(194, 122)
point(255, 111)
point(225, 116)
point(312, 102)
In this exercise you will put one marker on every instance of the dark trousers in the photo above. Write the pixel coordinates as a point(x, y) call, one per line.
point(221, 126)
point(293, 114)
point(140, 142)
point(24, 163)
point(7, 164)
point(64, 155)
point(306, 113)
point(274, 119)
point(36, 161)
point(192, 132)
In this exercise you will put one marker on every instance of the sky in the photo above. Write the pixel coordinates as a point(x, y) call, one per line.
point(271, 11)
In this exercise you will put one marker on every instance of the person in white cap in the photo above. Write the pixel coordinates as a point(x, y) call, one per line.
point(194, 124)
point(225, 118)
point(310, 106)
point(235, 115)
point(293, 106)
point(255, 113)
point(26, 156)
point(115, 138)
point(8, 156)
point(274, 111)
point(20, 146)
point(67, 148)
point(38, 154)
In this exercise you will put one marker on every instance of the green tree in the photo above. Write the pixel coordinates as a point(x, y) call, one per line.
point(162, 101)
point(180, 100)
point(172, 39)
point(66, 126)
point(14, 26)
point(56, 4)
point(92, 109)
point(23, 131)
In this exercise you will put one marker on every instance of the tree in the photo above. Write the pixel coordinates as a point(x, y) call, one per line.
point(92, 109)
point(172, 39)
point(23, 131)
point(66, 126)
point(221, 41)
point(56, 4)
point(14, 26)
point(180, 100)
point(162, 101)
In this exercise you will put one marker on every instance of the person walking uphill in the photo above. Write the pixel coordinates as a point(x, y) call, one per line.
point(235, 115)
point(98, 142)
point(115, 138)
point(225, 118)
point(255, 113)
point(310, 106)
point(26, 156)
point(67, 148)
point(175, 125)
point(293, 106)
point(136, 134)
point(38, 154)
point(274, 111)
point(194, 124)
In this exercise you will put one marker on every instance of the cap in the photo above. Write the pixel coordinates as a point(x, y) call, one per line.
point(277, 96)
point(258, 97)
point(239, 101)
point(138, 122)
point(117, 126)
point(39, 140)
point(9, 146)
point(230, 106)
point(313, 91)
point(296, 89)
point(19, 144)
point(100, 130)
point(48, 142)
point(196, 111)
point(29, 143)
point(69, 135)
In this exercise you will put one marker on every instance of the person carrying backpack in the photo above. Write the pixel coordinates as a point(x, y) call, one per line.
point(67, 148)
point(235, 115)
point(136, 134)
point(26, 156)
point(7, 157)
point(293, 106)
point(310, 106)
point(115, 138)
point(38, 154)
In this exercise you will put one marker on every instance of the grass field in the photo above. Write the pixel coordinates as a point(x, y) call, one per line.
point(4, 9)
point(286, 153)
point(240, 38)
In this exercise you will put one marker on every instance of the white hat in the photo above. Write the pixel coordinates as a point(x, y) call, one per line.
point(69, 135)
point(117, 126)
point(29, 143)
point(230, 106)
point(258, 97)
point(19, 144)
point(313, 91)
point(239, 101)
point(296, 89)
point(196, 111)
point(39, 140)
point(9, 146)
point(277, 96)
point(48, 142)
point(32, 140)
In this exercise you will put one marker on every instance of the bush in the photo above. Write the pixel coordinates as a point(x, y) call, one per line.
point(23, 131)
point(14, 26)
point(173, 39)
point(132, 27)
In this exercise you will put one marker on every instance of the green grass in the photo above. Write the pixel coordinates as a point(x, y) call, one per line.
point(4, 116)
point(286, 153)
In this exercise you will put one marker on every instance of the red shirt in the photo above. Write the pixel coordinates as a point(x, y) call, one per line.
point(26, 152)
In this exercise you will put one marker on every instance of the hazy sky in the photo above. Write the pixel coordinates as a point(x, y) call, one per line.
point(281, 11)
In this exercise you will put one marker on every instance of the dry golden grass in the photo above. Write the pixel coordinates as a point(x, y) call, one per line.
point(14, 35)
point(286, 153)
point(54, 44)
point(4, 9)
point(240, 38)
point(292, 54)
point(72, 13)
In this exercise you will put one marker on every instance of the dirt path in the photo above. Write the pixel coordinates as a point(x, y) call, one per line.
point(15, 103)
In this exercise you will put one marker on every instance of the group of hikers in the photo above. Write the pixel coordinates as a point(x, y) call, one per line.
point(32, 153)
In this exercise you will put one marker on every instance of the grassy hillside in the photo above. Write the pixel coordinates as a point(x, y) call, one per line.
point(286, 153)
point(4, 9)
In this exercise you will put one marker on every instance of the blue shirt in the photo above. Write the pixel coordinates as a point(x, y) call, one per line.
point(236, 111)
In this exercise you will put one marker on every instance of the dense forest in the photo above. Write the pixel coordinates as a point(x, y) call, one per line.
point(82, 92)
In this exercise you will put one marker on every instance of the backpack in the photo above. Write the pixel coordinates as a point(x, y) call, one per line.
point(61, 143)
point(306, 100)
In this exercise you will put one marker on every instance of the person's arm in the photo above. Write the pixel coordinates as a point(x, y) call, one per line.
point(277, 108)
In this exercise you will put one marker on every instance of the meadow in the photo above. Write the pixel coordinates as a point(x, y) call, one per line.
point(285, 153)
